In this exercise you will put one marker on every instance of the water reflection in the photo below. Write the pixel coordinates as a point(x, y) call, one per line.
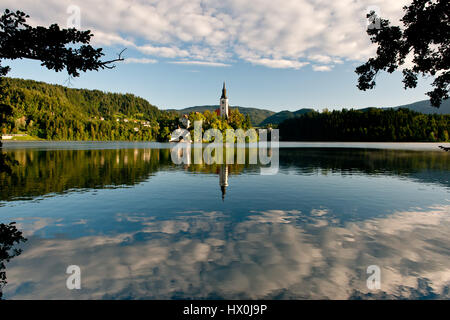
point(273, 254)
point(43, 172)
point(141, 226)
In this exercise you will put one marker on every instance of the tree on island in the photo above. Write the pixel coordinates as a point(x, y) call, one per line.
point(425, 36)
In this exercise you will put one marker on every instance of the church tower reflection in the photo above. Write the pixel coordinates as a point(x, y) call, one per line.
point(223, 179)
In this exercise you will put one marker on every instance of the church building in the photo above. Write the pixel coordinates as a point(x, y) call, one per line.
point(223, 110)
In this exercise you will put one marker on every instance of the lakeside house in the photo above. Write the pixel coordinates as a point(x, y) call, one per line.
point(12, 135)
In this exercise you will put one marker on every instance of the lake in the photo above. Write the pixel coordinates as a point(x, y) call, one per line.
point(140, 226)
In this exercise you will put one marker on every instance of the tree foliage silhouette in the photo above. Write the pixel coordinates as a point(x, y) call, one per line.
point(9, 238)
point(425, 36)
point(53, 46)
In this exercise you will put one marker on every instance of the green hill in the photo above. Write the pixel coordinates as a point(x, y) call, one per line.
point(279, 117)
point(256, 115)
point(89, 102)
point(56, 112)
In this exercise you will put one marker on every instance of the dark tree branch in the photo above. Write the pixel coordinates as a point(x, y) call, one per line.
point(52, 46)
point(120, 58)
point(426, 36)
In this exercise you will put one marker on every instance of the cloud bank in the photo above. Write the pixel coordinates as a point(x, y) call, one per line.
point(275, 34)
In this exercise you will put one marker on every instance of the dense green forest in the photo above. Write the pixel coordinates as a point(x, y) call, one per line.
point(56, 112)
point(400, 125)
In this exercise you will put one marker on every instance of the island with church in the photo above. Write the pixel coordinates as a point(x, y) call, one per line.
point(222, 118)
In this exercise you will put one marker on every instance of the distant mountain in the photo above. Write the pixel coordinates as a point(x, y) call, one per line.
point(424, 106)
point(279, 117)
point(256, 115)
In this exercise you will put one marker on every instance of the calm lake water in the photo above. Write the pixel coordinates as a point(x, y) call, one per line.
point(141, 227)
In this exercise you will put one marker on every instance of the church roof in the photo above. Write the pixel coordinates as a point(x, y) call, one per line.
point(224, 92)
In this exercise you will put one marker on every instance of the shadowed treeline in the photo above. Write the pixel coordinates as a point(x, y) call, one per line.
point(375, 125)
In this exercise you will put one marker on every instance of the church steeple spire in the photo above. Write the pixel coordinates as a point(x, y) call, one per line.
point(223, 111)
point(224, 92)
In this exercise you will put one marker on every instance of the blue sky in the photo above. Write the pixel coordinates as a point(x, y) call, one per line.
point(281, 56)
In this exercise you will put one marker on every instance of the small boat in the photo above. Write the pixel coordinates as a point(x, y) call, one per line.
point(445, 148)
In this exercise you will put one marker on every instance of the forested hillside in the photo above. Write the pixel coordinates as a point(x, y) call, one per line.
point(59, 113)
point(400, 125)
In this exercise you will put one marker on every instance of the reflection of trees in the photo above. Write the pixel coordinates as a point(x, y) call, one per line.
point(42, 172)
point(365, 160)
point(9, 237)
point(424, 166)
point(6, 163)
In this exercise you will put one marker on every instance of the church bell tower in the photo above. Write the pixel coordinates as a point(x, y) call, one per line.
point(224, 103)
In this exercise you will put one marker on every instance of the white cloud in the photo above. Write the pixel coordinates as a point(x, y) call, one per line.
point(166, 52)
point(201, 63)
point(321, 58)
point(278, 63)
point(276, 34)
point(140, 60)
point(322, 68)
point(102, 38)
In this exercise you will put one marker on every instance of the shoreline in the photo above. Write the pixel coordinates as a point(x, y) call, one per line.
point(31, 144)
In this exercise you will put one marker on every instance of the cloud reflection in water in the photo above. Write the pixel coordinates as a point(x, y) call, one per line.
point(270, 254)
